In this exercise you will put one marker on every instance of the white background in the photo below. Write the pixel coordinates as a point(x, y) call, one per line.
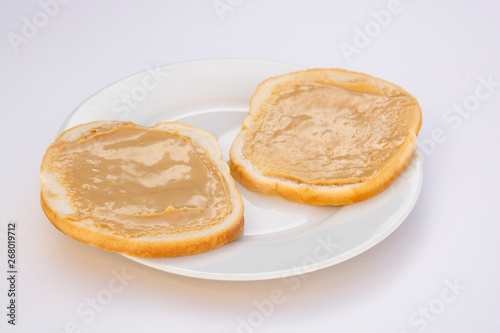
point(439, 52)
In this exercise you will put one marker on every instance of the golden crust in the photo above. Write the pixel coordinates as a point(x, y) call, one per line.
point(295, 191)
point(140, 248)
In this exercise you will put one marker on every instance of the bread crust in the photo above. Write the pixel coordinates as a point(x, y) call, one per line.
point(142, 248)
point(249, 176)
point(168, 245)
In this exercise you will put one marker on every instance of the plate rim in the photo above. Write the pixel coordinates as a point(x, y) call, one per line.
point(295, 271)
point(68, 118)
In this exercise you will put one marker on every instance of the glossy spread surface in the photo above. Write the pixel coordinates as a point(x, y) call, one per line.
point(139, 181)
point(327, 133)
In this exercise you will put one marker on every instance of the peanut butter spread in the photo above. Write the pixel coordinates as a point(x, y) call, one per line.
point(327, 132)
point(137, 181)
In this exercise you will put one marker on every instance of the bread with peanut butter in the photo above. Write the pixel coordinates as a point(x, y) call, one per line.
point(157, 191)
point(325, 137)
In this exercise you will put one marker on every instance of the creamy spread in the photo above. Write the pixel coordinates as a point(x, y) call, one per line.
point(327, 132)
point(137, 181)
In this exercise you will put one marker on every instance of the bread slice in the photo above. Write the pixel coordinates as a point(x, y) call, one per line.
point(157, 191)
point(325, 137)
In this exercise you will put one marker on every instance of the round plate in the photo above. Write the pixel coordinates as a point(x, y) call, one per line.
point(281, 238)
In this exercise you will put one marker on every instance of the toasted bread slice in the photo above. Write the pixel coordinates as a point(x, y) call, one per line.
point(325, 137)
point(157, 191)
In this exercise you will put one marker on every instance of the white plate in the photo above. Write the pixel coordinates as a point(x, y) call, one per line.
point(281, 238)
